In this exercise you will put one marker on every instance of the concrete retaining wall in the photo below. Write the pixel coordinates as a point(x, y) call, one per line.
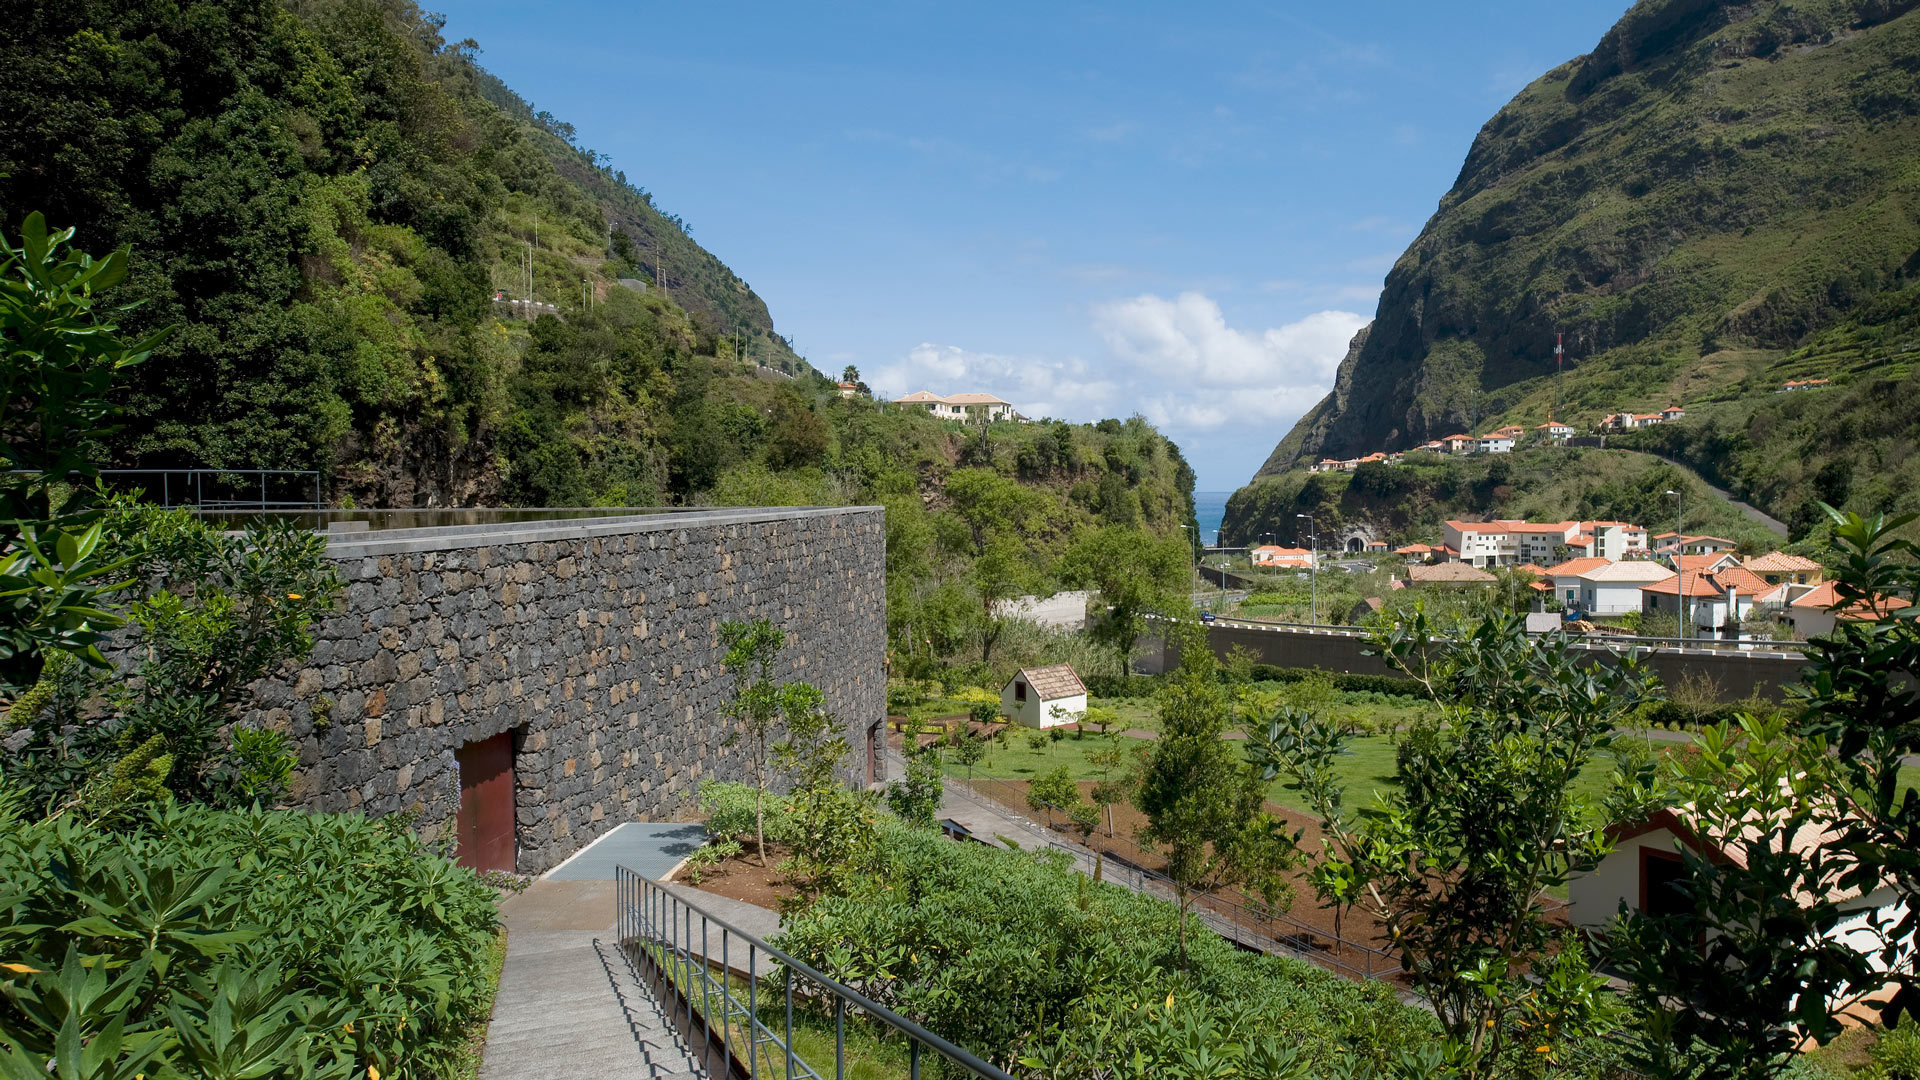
point(594, 642)
point(1738, 675)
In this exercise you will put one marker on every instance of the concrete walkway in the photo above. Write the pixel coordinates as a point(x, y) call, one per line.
point(570, 1003)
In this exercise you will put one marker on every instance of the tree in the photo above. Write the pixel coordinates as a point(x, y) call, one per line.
point(1136, 575)
point(1003, 571)
point(1453, 863)
point(1733, 984)
point(915, 799)
point(1054, 791)
point(1204, 805)
point(850, 374)
point(969, 752)
point(836, 825)
point(752, 650)
point(1116, 783)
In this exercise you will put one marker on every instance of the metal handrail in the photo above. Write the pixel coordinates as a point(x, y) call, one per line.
point(657, 928)
point(1237, 918)
point(193, 488)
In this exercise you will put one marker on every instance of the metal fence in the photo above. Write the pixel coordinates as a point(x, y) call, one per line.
point(1242, 920)
point(224, 489)
point(736, 998)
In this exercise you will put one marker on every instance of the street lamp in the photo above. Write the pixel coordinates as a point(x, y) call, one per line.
point(1680, 578)
point(1313, 571)
point(1196, 561)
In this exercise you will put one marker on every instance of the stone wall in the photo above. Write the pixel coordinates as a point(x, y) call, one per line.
point(594, 642)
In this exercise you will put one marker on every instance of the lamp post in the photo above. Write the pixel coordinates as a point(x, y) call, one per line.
point(1196, 560)
point(1313, 570)
point(1680, 576)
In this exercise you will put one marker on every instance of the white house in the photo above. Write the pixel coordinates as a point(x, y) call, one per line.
point(1283, 558)
point(1815, 611)
point(1645, 867)
point(1045, 697)
point(1554, 431)
point(1711, 600)
point(1497, 442)
point(1615, 588)
point(960, 406)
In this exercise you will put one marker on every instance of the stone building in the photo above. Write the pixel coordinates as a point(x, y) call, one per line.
point(528, 686)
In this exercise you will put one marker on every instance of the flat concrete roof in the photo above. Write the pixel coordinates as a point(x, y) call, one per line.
point(453, 537)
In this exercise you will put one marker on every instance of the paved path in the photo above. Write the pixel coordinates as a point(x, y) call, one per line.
point(1769, 522)
point(569, 1003)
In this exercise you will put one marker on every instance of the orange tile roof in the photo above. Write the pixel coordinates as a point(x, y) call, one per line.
point(1412, 549)
point(1776, 562)
point(1704, 564)
point(1448, 572)
point(1695, 584)
point(1575, 567)
point(1744, 580)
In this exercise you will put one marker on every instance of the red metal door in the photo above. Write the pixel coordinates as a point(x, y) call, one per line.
point(484, 827)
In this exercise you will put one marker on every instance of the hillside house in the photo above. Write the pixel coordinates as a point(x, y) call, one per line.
point(1555, 432)
point(1663, 544)
point(1509, 543)
point(983, 407)
point(1645, 867)
point(1708, 564)
point(1494, 443)
point(1458, 444)
point(1609, 589)
point(1275, 557)
point(1415, 552)
point(848, 389)
point(1816, 611)
point(1672, 413)
point(1705, 601)
point(1045, 697)
point(1779, 568)
point(1803, 384)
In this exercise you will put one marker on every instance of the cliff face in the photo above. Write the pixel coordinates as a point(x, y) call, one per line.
point(1713, 182)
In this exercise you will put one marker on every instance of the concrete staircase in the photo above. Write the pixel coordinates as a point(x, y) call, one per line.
point(570, 1005)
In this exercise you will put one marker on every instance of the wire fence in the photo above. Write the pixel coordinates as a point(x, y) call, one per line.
point(746, 1006)
point(1245, 921)
point(223, 489)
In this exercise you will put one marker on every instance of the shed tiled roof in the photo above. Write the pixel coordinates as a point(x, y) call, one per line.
point(1575, 567)
point(1779, 562)
point(1053, 682)
point(1447, 572)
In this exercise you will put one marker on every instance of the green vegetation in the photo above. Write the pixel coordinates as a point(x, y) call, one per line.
point(1713, 202)
point(1009, 955)
point(1407, 502)
point(207, 943)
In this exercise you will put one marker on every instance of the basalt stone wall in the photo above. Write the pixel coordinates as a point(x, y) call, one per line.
point(595, 643)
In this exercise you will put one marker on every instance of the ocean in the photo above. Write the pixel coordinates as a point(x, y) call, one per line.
point(1209, 509)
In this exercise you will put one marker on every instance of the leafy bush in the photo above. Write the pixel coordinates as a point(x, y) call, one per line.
point(1013, 957)
point(210, 943)
point(729, 810)
point(1897, 1055)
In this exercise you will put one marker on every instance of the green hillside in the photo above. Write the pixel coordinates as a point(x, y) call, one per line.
point(1406, 503)
point(324, 196)
point(1718, 198)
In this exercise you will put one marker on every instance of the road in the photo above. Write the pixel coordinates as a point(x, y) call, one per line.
point(1772, 524)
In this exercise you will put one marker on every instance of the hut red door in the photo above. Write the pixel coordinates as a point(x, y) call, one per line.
point(484, 826)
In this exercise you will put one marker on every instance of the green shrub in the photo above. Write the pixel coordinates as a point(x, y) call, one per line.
point(729, 810)
point(239, 943)
point(1897, 1054)
point(1012, 956)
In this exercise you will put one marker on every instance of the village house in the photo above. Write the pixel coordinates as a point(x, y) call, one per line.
point(1779, 568)
point(960, 406)
point(1706, 601)
point(1275, 557)
point(1415, 552)
point(1045, 697)
point(1509, 543)
point(1494, 443)
point(1555, 432)
point(1604, 588)
point(1645, 868)
point(1815, 612)
point(1692, 545)
point(1803, 384)
point(1458, 444)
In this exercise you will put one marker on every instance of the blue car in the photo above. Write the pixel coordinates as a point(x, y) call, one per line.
point(1206, 616)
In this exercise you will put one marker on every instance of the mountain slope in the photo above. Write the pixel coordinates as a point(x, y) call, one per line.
point(1694, 204)
point(324, 197)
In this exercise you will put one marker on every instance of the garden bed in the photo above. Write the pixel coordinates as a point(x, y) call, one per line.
point(741, 877)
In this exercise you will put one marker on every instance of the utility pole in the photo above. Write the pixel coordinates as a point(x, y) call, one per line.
point(1559, 365)
point(1313, 571)
point(1680, 577)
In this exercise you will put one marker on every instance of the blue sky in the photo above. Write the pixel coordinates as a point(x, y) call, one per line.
point(1090, 210)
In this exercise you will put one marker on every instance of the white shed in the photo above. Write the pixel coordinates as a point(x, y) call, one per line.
point(1045, 697)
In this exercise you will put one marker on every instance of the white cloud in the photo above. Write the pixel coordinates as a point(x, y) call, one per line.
point(1176, 361)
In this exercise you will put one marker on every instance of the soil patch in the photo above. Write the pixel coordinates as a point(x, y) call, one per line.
point(741, 877)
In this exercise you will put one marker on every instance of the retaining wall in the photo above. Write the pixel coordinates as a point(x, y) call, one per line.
point(594, 642)
point(1737, 674)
